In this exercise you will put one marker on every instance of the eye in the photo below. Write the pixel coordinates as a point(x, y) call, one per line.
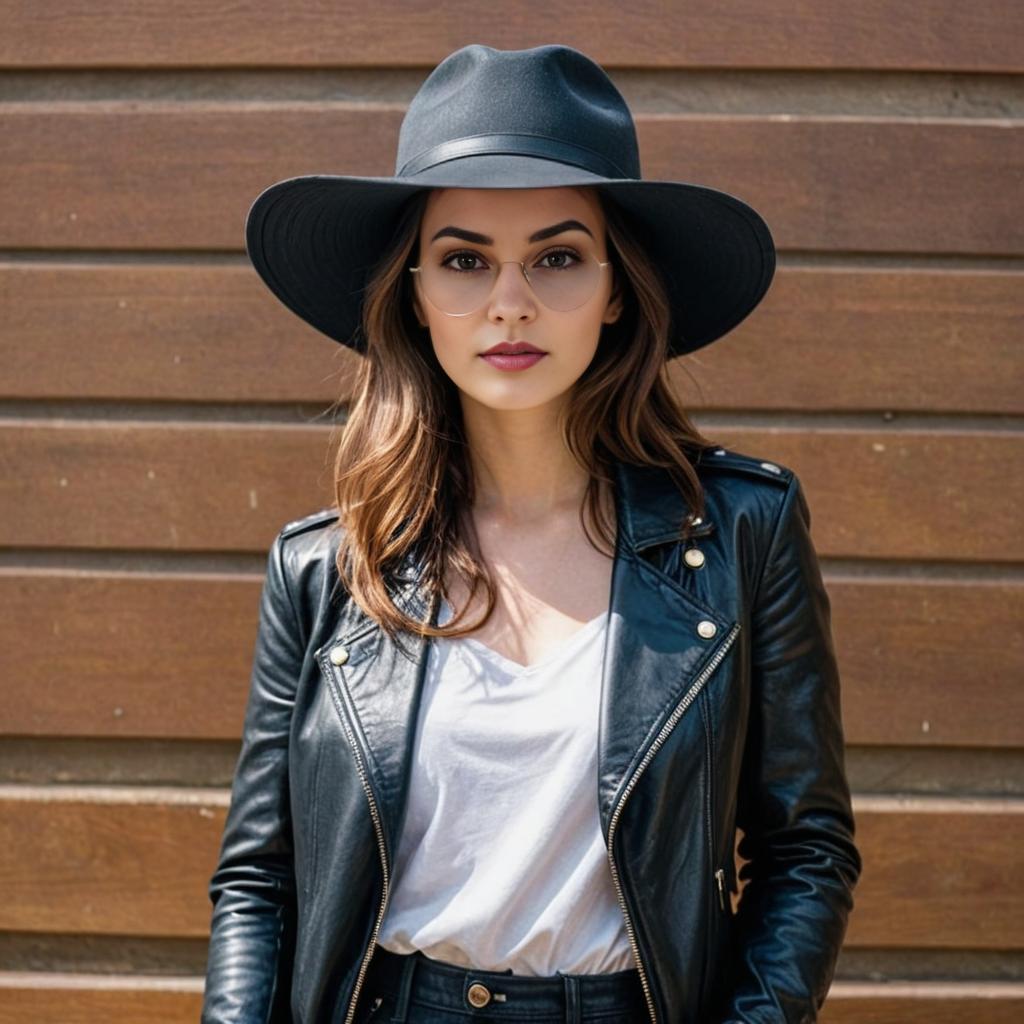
point(462, 254)
point(561, 262)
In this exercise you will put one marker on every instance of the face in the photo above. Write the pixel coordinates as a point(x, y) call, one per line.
point(512, 312)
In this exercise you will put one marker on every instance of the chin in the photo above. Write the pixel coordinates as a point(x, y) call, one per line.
point(519, 399)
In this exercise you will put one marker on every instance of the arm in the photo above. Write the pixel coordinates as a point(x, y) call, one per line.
point(794, 800)
point(248, 975)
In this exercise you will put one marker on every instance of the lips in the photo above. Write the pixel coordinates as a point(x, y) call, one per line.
point(513, 348)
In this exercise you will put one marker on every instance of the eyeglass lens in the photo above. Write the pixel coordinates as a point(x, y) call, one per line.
point(562, 279)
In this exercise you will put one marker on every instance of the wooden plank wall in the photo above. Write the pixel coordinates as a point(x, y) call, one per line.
point(163, 417)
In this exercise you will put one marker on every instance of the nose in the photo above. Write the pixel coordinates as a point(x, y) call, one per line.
point(512, 296)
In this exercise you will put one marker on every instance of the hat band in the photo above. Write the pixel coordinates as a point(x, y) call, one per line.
point(513, 144)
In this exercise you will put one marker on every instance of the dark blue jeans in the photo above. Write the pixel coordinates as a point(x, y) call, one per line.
point(416, 989)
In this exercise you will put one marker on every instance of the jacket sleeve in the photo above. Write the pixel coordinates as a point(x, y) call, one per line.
point(794, 800)
point(252, 933)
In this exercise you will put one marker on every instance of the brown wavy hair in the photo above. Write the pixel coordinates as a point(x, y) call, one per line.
point(402, 475)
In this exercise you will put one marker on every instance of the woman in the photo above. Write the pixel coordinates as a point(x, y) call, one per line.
point(514, 694)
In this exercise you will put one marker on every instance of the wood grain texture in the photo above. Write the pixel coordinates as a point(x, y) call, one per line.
point(98, 655)
point(940, 341)
point(909, 678)
point(849, 339)
point(107, 655)
point(898, 493)
point(828, 34)
point(937, 873)
point(61, 998)
point(181, 487)
point(115, 861)
point(167, 176)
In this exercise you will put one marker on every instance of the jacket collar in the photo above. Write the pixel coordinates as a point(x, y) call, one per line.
point(649, 507)
point(655, 658)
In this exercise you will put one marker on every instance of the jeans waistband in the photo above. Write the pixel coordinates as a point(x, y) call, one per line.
point(503, 994)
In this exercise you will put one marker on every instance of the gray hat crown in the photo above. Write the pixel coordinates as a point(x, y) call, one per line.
point(550, 101)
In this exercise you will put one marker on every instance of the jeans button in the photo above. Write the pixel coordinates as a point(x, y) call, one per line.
point(478, 995)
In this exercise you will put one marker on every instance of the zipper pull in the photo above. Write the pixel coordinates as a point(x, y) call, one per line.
point(720, 879)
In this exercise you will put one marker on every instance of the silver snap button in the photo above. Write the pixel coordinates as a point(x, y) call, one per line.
point(339, 655)
point(478, 995)
point(771, 466)
point(693, 557)
point(706, 628)
point(697, 520)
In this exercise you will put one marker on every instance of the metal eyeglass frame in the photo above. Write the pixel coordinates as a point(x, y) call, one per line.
point(522, 266)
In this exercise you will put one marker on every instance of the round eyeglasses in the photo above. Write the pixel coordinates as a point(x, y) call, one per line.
point(562, 286)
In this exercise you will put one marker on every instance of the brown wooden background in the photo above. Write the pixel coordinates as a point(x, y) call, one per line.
point(162, 417)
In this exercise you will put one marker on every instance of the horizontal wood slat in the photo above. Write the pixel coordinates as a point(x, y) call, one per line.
point(908, 676)
point(209, 333)
point(45, 998)
point(215, 486)
point(892, 339)
point(857, 339)
point(87, 998)
point(924, 1002)
point(127, 656)
point(108, 862)
point(99, 655)
point(938, 874)
point(933, 36)
point(166, 175)
point(901, 493)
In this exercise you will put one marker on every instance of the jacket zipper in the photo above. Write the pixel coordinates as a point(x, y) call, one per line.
point(719, 873)
point(652, 750)
point(379, 833)
point(720, 879)
point(709, 791)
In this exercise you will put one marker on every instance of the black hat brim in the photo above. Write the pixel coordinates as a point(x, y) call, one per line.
point(315, 239)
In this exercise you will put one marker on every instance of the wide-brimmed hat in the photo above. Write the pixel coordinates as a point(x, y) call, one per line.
point(486, 118)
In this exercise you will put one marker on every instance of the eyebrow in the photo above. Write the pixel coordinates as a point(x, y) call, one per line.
point(537, 236)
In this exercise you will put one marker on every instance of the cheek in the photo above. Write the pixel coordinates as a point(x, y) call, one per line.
point(586, 333)
point(456, 340)
point(453, 345)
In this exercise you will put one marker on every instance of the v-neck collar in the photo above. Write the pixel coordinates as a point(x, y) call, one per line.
point(515, 668)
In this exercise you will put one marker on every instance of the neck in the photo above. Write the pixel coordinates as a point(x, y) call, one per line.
point(522, 469)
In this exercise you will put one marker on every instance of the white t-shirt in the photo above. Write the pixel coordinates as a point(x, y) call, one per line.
point(501, 863)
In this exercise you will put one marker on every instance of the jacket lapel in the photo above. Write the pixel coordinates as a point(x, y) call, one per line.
point(380, 684)
point(655, 652)
point(653, 656)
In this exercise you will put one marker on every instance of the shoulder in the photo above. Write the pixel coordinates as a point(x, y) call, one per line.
point(313, 523)
point(747, 488)
point(307, 545)
point(716, 462)
point(301, 574)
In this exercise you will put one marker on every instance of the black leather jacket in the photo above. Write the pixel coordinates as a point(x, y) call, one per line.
point(719, 708)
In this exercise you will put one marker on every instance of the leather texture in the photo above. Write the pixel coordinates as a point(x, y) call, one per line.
point(720, 707)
